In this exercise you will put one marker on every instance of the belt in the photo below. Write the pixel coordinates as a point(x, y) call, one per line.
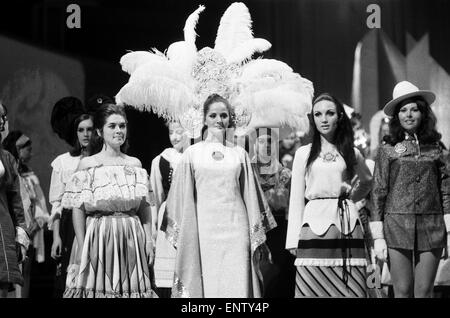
point(99, 214)
point(346, 250)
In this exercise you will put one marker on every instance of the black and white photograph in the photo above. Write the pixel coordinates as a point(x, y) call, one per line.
point(251, 152)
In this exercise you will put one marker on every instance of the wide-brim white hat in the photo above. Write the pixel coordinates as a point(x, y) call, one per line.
point(404, 90)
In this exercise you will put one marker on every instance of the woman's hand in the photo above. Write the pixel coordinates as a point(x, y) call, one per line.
point(56, 247)
point(380, 248)
point(23, 254)
point(149, 250)
point(293, 252)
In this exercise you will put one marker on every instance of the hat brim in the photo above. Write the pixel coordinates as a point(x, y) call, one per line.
point(428, 96)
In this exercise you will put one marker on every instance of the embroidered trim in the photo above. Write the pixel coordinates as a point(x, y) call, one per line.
point(91, 293)
point(258, 230)
point(329, 262)
point(172, 231)
point(178, 289)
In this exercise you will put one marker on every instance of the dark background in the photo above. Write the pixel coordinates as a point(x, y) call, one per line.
point(317, 38)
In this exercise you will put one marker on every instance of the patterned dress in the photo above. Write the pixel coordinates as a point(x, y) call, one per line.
point(113, 260)
point(326, 231)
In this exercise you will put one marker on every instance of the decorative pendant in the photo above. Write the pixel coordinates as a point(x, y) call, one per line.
point(329, 156)
point(217, 155)
point(400, 148)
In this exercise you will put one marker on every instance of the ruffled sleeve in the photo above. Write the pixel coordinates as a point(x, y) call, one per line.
point(77, 191)
point(107, 188)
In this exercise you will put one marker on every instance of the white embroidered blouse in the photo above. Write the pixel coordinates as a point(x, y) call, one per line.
point(63, 168)
point(325, 179)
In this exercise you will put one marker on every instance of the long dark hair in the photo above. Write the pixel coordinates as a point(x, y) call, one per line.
point(343, 136)
point(9, 144)
point(100, 118)
point(77, 148)
point(426, 132)
point(215, 98)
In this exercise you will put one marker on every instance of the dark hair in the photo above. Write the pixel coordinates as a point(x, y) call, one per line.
point(77, 148)
point(343, 136)
point(4, 107)
point(426, 132)
point(9, 144)
point(216, 98)
point(100, 118)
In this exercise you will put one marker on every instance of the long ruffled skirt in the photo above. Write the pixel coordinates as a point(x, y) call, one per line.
point(113, 263)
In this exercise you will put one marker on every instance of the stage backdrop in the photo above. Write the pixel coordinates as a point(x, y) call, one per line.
point(31, 81)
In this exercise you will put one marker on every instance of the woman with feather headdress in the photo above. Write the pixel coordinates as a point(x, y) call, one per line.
point(183, 84)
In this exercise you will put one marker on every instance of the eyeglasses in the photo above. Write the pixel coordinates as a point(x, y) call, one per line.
point(4, 117)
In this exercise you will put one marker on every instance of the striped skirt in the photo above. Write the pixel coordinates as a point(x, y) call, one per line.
point(331, 265)
point(114, 263)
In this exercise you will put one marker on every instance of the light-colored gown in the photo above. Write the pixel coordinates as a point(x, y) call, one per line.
point(113, 260)
point(217, 218)
point(160, 182)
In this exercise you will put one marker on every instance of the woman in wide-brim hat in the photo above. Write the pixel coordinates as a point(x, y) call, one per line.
point(411, 193)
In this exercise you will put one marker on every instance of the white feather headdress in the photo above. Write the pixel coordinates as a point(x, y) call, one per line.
point(264, 92)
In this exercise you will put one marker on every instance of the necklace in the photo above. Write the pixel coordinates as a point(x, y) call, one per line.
point(329, 156)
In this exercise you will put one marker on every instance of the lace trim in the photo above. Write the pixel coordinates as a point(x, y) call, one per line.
point(172, 232)
point(109, 192)
point(330, 262)
point(259, 230)
point(178, 289)
point(91, 293)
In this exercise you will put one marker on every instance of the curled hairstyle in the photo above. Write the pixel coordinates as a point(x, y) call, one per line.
point(343, 136)
point(77, 148)
point(100, 117)
point(216, 98)
point(426, 132)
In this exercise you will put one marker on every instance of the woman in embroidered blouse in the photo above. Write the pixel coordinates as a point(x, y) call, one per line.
point(216, 214)
point(325, 233)
point(113, 251)
point(71, 122)
point(411, 194)
point(161, 174)
point(34, 204)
